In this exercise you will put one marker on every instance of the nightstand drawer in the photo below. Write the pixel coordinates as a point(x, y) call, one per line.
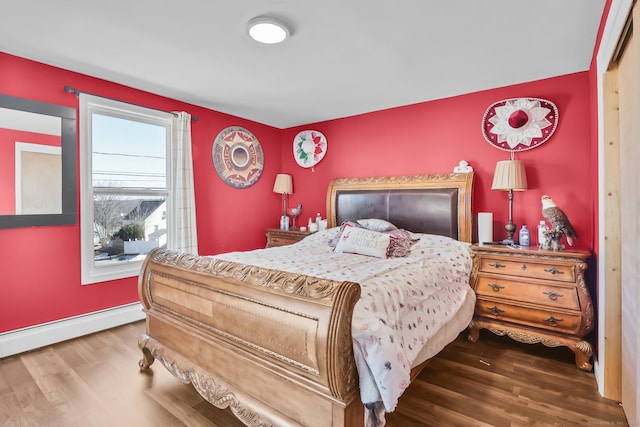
point(551, 295)
point(535, 270)
point(554, 320)
point(280, 241)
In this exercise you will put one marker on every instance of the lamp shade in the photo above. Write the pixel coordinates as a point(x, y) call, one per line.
point(283, 184)
point(509, 175)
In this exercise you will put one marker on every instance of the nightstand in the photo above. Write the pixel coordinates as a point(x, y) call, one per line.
point(277, 237)
point(533, 296)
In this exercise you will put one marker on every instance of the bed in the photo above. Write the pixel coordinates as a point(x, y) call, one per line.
point(274, 342)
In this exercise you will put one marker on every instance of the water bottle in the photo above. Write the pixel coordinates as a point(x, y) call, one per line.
point(284, 222)
point(542, 227)
point(525, 237)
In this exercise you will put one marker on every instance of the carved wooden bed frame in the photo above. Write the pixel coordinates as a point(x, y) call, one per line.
point(272, 346)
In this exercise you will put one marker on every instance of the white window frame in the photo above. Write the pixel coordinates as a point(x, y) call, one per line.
point(90, 104)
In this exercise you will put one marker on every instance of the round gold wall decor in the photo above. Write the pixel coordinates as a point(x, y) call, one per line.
point(237, 157)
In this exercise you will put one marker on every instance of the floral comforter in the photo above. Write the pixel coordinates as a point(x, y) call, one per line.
point(404, 301)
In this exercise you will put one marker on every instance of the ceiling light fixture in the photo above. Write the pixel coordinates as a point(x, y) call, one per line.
point(267, 30)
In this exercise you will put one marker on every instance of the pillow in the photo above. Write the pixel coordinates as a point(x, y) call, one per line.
point(361, 241)
point(334, 241)
point(400, 243)
point(403, 234)
point(376, 224)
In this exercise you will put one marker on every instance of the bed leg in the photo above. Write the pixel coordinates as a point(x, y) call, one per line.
point(147, 357)
point(474, 332)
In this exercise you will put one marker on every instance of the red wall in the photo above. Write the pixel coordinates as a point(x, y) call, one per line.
point(433, 137)
point(41, 265)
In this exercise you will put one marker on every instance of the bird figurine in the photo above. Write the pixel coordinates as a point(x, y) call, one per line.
point(558, 219)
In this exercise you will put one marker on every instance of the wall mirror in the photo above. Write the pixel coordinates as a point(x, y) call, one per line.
point(37, 163)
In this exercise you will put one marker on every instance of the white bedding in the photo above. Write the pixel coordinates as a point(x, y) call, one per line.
point(405, 302)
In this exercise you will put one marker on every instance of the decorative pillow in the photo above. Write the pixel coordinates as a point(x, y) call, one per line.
point(403, 234)
point(400, 243)
point(376, 224)
point(364, 242)
point(334, 241)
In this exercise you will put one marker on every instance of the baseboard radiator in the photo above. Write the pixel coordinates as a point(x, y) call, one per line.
point(32, 337)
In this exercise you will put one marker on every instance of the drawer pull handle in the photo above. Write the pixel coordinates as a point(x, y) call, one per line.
point(495, 310)
point(552, 295)
point(553, 321)
point(496, 287)
point(497, 265)
point(553, 270)
point(523, 266)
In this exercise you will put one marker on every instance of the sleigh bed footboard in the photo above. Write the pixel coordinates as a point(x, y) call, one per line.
point(274, 347)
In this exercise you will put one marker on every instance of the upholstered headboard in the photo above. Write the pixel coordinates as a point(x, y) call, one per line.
point(435, 204)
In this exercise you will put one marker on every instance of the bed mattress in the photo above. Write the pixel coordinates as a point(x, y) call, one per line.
point(410, 307)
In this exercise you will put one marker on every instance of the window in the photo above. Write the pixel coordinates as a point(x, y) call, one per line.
point(124, 183)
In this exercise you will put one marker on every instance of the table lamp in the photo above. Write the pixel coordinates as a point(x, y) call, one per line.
point(509, 176)
point(284, 186)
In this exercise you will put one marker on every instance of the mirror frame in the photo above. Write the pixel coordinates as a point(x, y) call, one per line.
point(67, 115)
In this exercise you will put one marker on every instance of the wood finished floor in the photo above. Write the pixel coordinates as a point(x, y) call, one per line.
point(95, 381)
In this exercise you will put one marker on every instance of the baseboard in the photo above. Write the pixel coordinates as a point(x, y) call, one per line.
point(37, 336)
point(597, 373)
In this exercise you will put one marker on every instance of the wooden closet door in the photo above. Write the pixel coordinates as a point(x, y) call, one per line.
point(629, 119)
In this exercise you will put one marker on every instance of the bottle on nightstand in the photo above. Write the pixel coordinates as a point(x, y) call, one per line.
point(542, 227)
point(525, 236)
point(284, 222)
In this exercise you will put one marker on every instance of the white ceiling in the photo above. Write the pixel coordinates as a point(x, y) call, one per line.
point(344, 57)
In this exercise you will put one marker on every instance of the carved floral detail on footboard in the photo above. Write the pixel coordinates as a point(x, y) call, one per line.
point(306, 286)
point(213, 392)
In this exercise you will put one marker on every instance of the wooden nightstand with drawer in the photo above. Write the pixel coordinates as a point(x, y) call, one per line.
point(277, 237)
point(533, 296)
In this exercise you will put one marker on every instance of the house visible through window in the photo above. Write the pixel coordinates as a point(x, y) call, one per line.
point(124, 186)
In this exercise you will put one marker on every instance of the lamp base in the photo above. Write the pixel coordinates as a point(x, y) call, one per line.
point(510, 228)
